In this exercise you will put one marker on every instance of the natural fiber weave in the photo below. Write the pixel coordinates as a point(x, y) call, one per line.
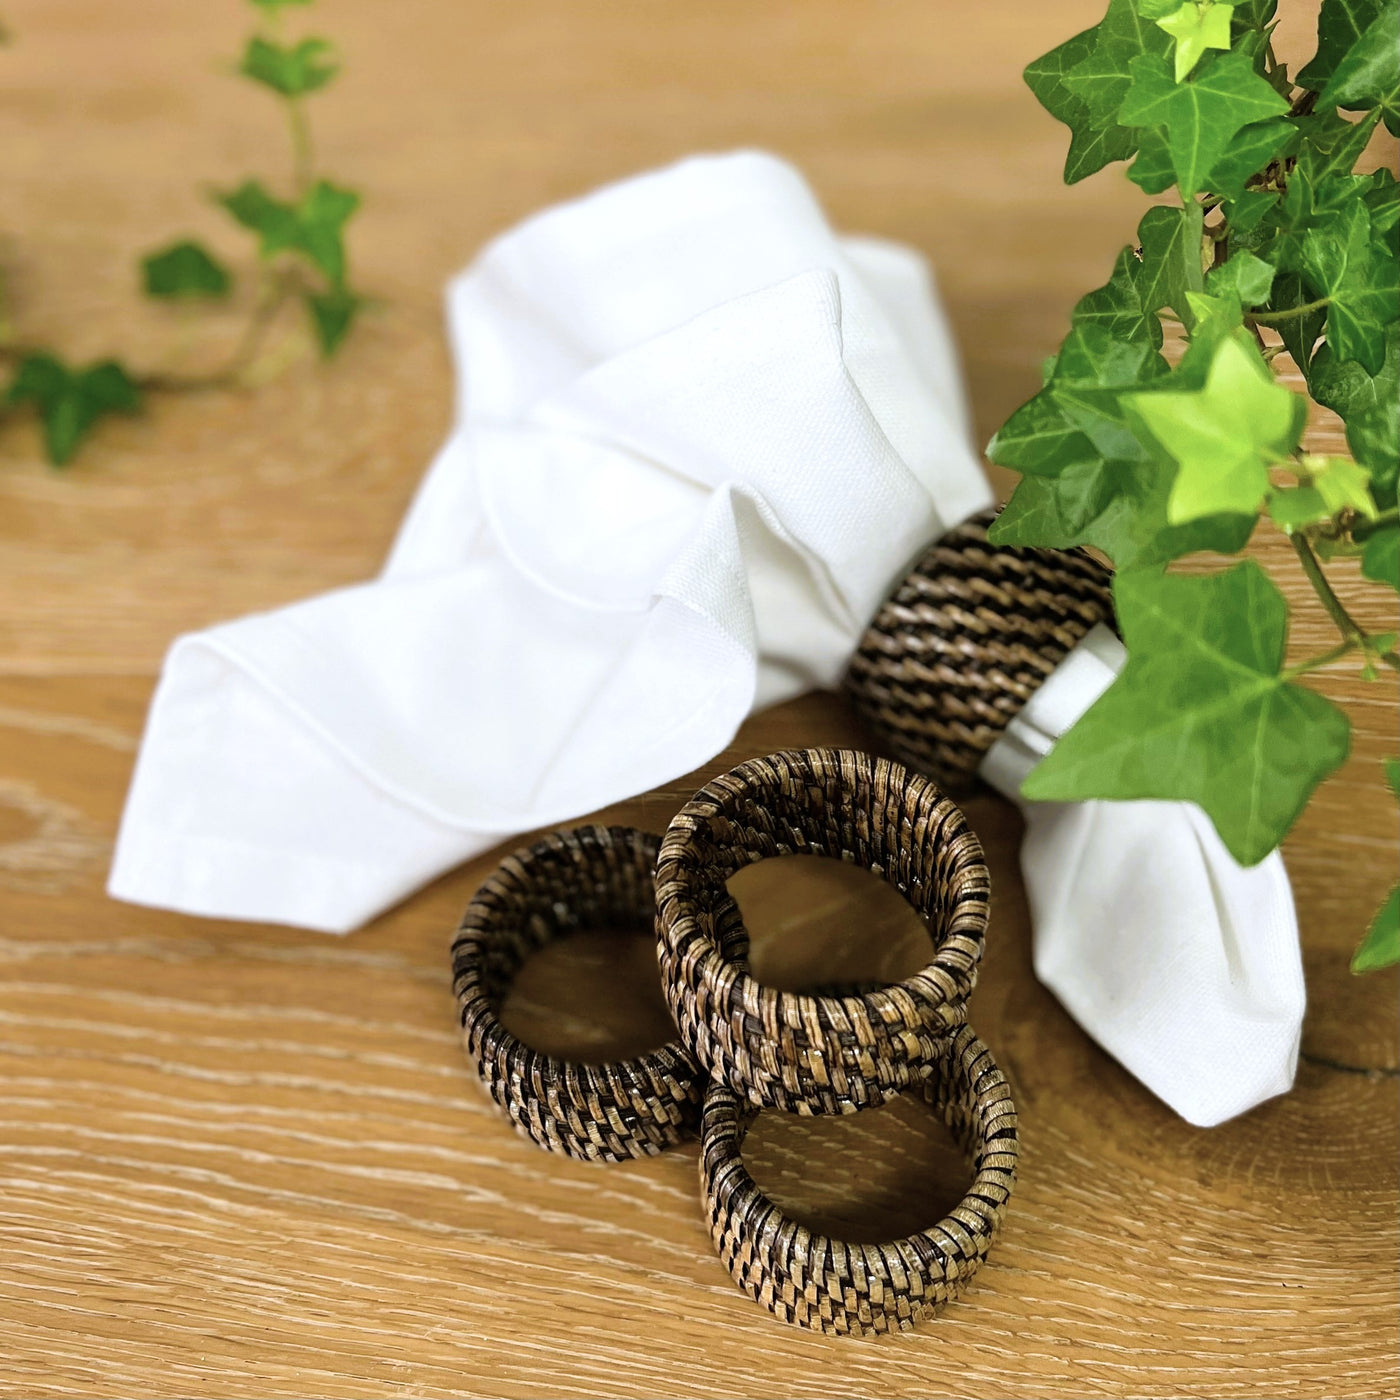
point(968, 637)
point(812, 1053)
point(817, 1282)
point(590, 877)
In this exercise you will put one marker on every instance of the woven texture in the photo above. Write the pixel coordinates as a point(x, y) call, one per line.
point(814, 1053)
point(813, 1281)
point(968, 637)
point(589, 877)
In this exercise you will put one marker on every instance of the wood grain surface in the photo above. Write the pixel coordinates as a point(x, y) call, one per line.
point(239, 1160)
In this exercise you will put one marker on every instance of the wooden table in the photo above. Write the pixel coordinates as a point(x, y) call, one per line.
point(248, 1161)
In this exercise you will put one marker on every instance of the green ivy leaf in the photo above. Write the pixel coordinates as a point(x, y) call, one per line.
point(1340, 23)
point(1091, 145)
point(323, 216)
point(1251, 151)
point(1089, 478)
point(1171, 258)
point(1382, 200)
point(1215, 320)
point(1299, 333)
point(1359, 276)
point(71, 401)
point(273, 220)
point(1304, 206)
point(1082, 82)
point(1039, 438)
point(1244, 276)
point(1091, 370)
point(1153, 171)
point(1224, 436)
point(1101, 79)
point(1380, 559)
point(1088, 382)
point(183, 270)
point(1077, 416)
point(1204, 667)
point(1368, 74)
point(290, 71)
point(1253, 14)
point(331, 315)
point(314, 228)
point(1296, 507)
point(1342, 484)
point(1247, 211)
point(1197, 26)
point(1331, 145)
point(1117, 307)
point(1280, 235)
point(1056, 511)
point(1119, 507)
point(1366, 403)
point(1201, 116)
point(1381, 946)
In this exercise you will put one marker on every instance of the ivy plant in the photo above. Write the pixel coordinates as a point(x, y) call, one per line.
point(1273, 245)
point(300, 257)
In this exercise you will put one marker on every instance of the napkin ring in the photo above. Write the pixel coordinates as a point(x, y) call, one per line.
point(814, 1053)
point(968, 637)
point(836, 1287)
point(589, 877)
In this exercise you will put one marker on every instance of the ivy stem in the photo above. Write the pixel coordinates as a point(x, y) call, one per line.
point(301, 145)
point(297, 123)
point(275, 292)
point(1269, 318)
point(1316, 663)
point(271, 298)
point(1363, 529)
point(1346, 624)
point(186, 333)
point(1303, 104)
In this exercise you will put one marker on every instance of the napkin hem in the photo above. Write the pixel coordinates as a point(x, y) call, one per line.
point(219, 877)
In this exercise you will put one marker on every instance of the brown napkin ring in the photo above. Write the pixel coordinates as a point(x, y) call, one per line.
point(812, 1281)
point(811, 1053)
point(592, 876)
point(968, 637)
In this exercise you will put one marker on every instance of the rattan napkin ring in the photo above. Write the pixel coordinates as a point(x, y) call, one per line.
point(588, 877)
point(812, 1281)
point(968, 637)
point(812, 1053)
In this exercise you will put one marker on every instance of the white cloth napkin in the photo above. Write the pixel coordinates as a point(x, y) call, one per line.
point(698, 439)
point(1183, 964)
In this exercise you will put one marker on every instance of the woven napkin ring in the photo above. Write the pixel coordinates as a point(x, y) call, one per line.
point(813, 1053)
point(816, 1282)
point(590, 877)
point(968, 637)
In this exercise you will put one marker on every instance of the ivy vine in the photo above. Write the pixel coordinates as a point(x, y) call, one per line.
point(1276, 246)
point(301, 258)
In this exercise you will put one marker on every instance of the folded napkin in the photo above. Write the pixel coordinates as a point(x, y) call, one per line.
point(698, 439)
point(1183, 964)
